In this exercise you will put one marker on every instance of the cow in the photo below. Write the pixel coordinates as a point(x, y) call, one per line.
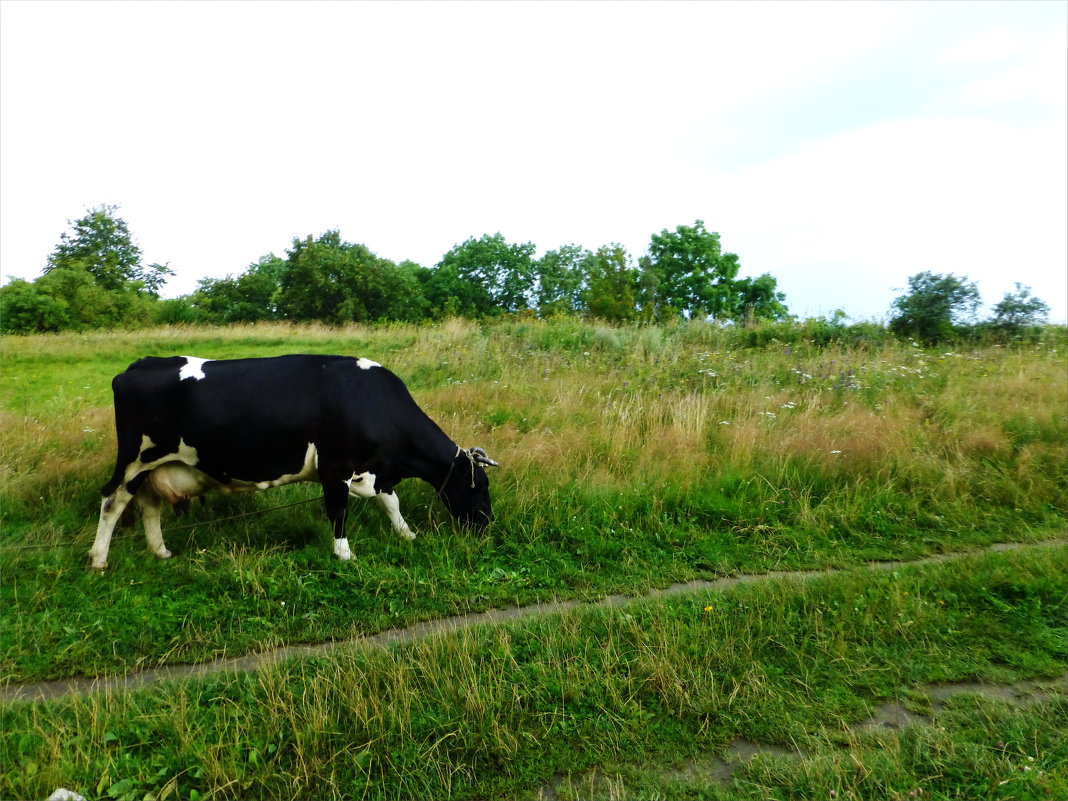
point(185, 426)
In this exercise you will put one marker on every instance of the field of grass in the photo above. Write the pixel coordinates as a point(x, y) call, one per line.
point(631, 458)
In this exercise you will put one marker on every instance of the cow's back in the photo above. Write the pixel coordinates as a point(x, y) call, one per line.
point(251, 419)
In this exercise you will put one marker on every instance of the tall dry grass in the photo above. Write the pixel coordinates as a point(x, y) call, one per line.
point(566, 403)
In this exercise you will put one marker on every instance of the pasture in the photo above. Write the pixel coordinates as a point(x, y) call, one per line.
point(631, 458)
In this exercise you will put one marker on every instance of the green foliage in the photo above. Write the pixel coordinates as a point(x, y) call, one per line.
point(27, 308)
point(932, 305)
point(498, 275)
point(562, 276)
point(498, 711)
point(93, 279)
point(100, 243)
point(758, 298)
point(633, 457)
point(333, 281)
point(249, 298)
point(1019, 311)
point(692, 276)
point(611, 285)
point(68, 298)
point(636, 454)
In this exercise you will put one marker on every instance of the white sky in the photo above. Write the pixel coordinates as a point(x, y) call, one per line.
point(839, 146)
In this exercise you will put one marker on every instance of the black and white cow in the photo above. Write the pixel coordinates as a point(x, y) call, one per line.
point(186, 426)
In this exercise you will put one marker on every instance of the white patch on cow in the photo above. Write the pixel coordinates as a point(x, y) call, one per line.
point(367, 364)
point(146, 443)
point(391, 504)
point(187, 453)
point(193, 368)
point(308, 472)
point(341, 549)
point(362, 485)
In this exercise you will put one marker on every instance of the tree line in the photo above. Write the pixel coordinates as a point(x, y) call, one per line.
point(95, 278)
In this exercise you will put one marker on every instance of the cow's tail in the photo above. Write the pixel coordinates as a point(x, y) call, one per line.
point(128, 451)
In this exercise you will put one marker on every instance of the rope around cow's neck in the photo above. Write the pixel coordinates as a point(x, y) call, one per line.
point(452, 467)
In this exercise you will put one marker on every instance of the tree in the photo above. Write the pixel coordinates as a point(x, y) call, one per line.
point(561, 279)
point(336, 282)
point(101, 245)
point(932, 305)
point(611, 285)
point(687, 273)
point(1020, 309)
point(26, 309)
point(758, 297)
point(250, 297)
point(68, 298)
point(692, 273)
point(499, 274)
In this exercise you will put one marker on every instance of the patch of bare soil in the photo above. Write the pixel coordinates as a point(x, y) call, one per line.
point(46, 690)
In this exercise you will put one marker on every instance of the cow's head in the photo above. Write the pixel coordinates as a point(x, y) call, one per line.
point(466, 488)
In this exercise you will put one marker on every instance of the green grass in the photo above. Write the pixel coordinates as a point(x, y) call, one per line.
point(632, 458)
point(499, 711)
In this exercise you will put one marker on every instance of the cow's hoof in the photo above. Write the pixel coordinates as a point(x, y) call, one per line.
point(100, 567)
point(163, 553)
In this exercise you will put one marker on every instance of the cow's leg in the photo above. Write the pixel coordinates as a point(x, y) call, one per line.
point(151, 507)
point(391, 504)
point(336, 498)
point(111, 509)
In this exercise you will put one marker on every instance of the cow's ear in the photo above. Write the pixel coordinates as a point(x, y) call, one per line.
point(478, 456)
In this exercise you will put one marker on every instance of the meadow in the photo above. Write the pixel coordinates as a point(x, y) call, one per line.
point(631, 458)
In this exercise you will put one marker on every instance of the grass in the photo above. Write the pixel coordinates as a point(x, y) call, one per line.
point(499, 711)
point(632, 457)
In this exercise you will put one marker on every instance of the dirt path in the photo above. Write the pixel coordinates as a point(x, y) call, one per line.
point(46, 690)
point(720, 766)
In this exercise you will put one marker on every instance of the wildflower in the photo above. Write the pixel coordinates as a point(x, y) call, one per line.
point(724, 422)
point(835, 451)
point(708, 608)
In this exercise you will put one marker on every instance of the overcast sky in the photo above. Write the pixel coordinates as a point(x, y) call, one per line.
point(840, 146)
